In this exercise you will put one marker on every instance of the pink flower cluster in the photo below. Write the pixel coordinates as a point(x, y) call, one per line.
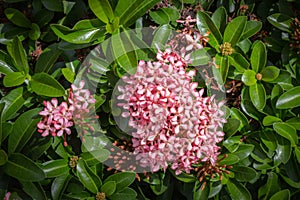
point(58, 119)
point(173, 123)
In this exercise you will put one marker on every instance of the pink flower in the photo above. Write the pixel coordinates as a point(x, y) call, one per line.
point(7, 196)
point(174, 124)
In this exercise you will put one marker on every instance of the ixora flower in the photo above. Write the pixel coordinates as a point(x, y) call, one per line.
point(173, 123)
point(58, 119)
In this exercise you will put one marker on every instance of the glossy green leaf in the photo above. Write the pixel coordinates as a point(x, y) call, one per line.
point(205, 24)
point(5, 65)
point(270, 120)
point(122, 179)
point(234, 30)
point(252, 27)
point(231, 126)
point(200, 193)
point(17, 52)
point(289, 99)
point(68, 74)
point(35, 32)
point(220, 17)
point(283, 150)
point(270, 188)
point(109, 188)
point(270, 73)
point(281, 21)
point(295, 184)
point(87, 177)
point(244, 174)
point(297, 153)
point(55, 168)
point(82, 36)
point(200, 57)
point(295, 122)
point(164, 15)
point(230, 160)
point(161, 36)
point(281, 195)
point(96, 156)
point(14, 79)
point(287, 131)
point(3, 157)
point(249, 77)
point(129, 12)
point(126, 193)
point(18, 18)
point(237, 114)
point(243, 151)
point(258, 95)
point(237, 191)
point(22, 168)
point(223, 63)
point(43, 17)
point(53, 5)
point(2, 105)
point(47, 59)
point(46, 85)
point(102, 9)
point(59, 185)
point(238, 61)
point(258, 58)
point(124, 51)
point(14, 100)
point(34, 190)
point(23, 128)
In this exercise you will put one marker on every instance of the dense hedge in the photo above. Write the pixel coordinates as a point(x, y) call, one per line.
point(149, 99)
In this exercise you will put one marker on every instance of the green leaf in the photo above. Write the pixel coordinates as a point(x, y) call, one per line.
point(237, 191)
point(59, 185)
point(220, 17)
point(270, 120)
point(258, 95)
point(252, 27)
point(230, 160)
point(282, 195)
point(87, 177)
point(23, 129)
point(35, 32)
point(34, 190)
point(17, 52)
point(249, 77)
point(270, 73)
point(164, 15)
point(95, 156)
point(5, 65)
point(161, 36)
point(14, 79)
point(55, 168)
point(289, 99)
point(122, 179)
point(126, 193)
point(223, 63)
point(102, 9)
point(244, 174)
point(281, 21)
point(243, 151)
point(287, 131)
point(68, 74)
point(44, 84)
point(237, 114)
point(17, 18)
point(54, 5)
point(205, 24)
point(81, 36)
point(231, 126)
point(109, 188)
point(47, 59)
point(124, 51)
point(3, 157)
point(43, 17)
point(22, 168)
point(200, 193)
point(258, 58)
point(295, 122)
point(14, 100)
point(270, 188)
point(290, 181)
point(130, 11)
point(283, 150)
point(234, 30)
point(238, 61)
point(200, 57)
